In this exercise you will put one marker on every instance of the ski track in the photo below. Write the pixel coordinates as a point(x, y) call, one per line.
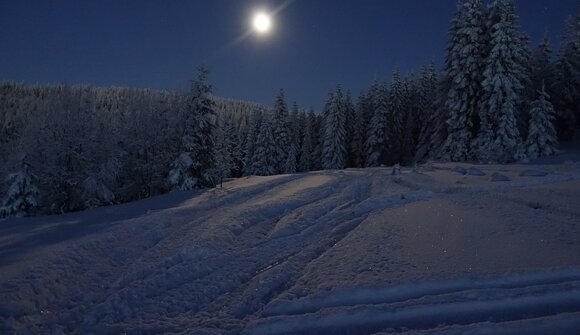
point(228, 260)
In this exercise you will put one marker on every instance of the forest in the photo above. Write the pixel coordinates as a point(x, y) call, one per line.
point(496, 99)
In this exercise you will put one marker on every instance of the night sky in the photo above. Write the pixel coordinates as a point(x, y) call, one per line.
point(157, 44)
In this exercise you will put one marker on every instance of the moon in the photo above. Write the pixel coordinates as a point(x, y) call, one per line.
point(262, 23)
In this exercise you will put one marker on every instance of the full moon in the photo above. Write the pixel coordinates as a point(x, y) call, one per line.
point(262, 23)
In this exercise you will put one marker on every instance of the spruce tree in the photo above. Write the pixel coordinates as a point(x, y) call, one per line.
point(307, 146)
point(22, 196)
point(281, 127)
point(463, 71)
point(411, 124)
point(396, 117)
point(315, 157)
point(567, 99)
point(366, 107)
point(195, 165)
point(251, 141)
point(542, 138)
point(224, 149)
point(426, 112)
point(396, 104)
point(334, 149)
point(265, 153)
point(499, 136)
point(542, 76)
point(541, 73)
point(353, 141)
point(377, 137)
point(291, 164)
point(363, 111)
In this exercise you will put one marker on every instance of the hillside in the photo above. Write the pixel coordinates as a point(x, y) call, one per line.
point(354, 251)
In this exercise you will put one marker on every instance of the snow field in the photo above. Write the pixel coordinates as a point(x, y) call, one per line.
point(354, 250)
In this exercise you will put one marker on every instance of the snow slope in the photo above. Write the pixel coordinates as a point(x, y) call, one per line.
point(355, 251)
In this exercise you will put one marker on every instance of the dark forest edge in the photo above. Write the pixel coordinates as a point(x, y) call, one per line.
point(68, 148)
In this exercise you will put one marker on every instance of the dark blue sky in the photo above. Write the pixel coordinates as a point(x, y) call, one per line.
point(158, 44)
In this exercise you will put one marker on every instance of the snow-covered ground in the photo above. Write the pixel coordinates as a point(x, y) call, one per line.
point(430, 251)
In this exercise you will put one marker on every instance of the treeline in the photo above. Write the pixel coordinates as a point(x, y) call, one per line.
point(67, 148)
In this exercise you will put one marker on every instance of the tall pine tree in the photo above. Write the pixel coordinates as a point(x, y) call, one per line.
point(252, 138)
point(464, 73)
point(22, 196)
point(265, 154)
point(568, 83)
point(282, 135)
point(195, 165)
point(504, 74)
point(542, 138)
point(334, 149)
point(377, 137)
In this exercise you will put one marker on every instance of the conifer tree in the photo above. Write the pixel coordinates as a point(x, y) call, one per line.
point(542, 138)
point(281, 127)
point(567, 99)
point(291, 164)
point(411, 99)
point(224, 149)
point(377, 137)
point(542, 76)
point(195, 165)
point(314, 120)
point(396, 120)
point(426, 112)
point(334, 149)
point(364, 113)
point(22, 196)
point(307, 146)
point(265, 153)
point(464, 73)
point(499, 136)
point(252, 138)
point(353, 140)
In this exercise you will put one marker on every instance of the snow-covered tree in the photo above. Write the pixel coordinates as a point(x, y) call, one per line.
point(317, 139)
point(411, 100)
point(224, 149)
point(296, 129)
point(307, 147)
point(281, 129)
point(396, 116)
point(12, 106)
point(334, 149)
point(363, 114)
point(426, 112)
point(98, 186)
point(252, 138)
point(22, 196)
point(290, 166)
point(377, 137)
point(542, 138)
point(464, 72)
point(499, 137)
point(353, 140)
point(295, 132)
point(567, 97)
point(543, 71)
point(265, 151)
point(195, 165)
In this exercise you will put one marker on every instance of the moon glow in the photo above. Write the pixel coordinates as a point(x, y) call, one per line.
point(262, 23)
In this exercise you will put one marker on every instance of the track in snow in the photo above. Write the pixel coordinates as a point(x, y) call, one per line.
point(524, 298)
point(247, 258)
